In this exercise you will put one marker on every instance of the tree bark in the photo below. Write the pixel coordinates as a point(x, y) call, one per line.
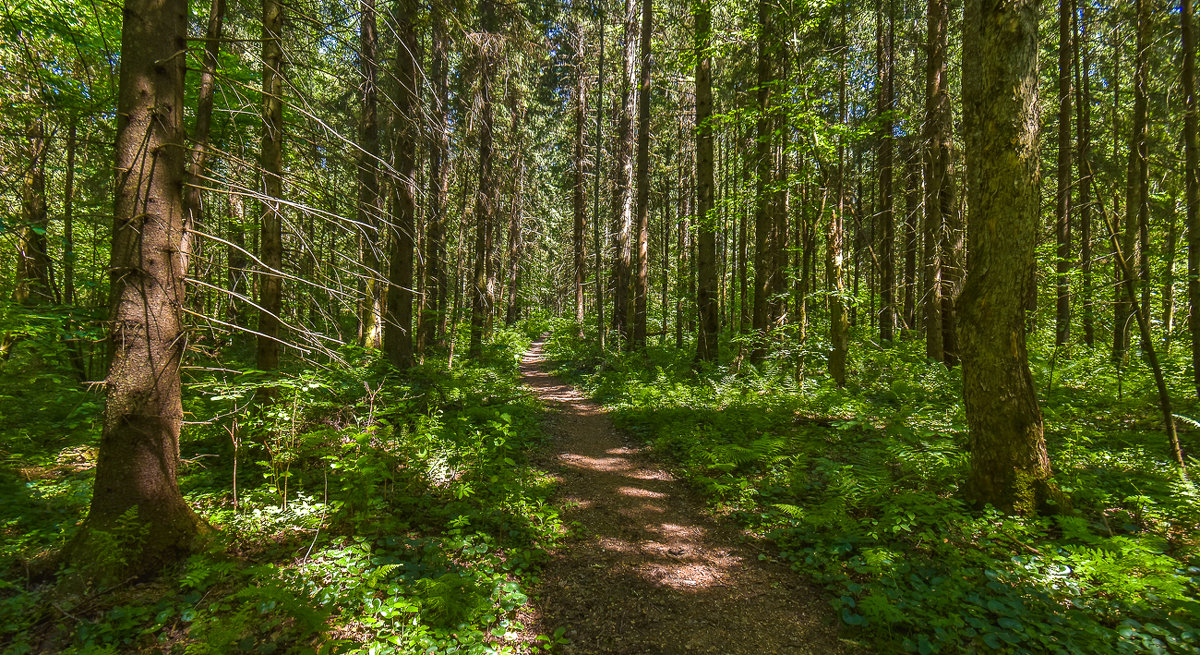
point(1136, 186)
point(707, 347)
point(764, 221)
point(397, 330)
point(1062, 205)
point(1010, 468)
point(270, 283)
point(884, 57)
point(516, 234)
point(370, 205)
point(623, 198)
point(939, 182)
point(1083, 140)
point(835, 269)
point(139, 444)
point(578, 195)
point(598, 255)
point(33, 258)
point(434, 317)
point(911, 157)
point(69, 215)
point(204, 109)
point(485, 203)
point(1191, 180)
point(642, 277)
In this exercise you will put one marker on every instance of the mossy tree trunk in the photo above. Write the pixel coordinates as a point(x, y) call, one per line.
point(1009, 465)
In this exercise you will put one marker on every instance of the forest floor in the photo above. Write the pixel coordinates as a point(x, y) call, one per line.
point(646, 568)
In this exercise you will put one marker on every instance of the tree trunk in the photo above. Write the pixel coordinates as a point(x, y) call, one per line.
point(69, 215)
point(1136, 185)
point(33, 258)
point(623, 198)
point(912, 215)
point(578, 199)
point(1009, 465)
point(939, 182)
point(596, 244)
point(1168, 282)
point(397, 329)
point(516, 234)
point(270, 298)
point(433, 318)
point(485, 203)
point(1083, 140)
point(707, 348)
point(1062, 205)
point(139, 444)
point(370, 206)
point(764, 222)
point(835, 253)
point(884, 57)
point(642, 275)
point(1191, 182)
point(953, 240)
point(204, 109)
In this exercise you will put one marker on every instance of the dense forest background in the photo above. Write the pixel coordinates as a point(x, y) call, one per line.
point(908, 288)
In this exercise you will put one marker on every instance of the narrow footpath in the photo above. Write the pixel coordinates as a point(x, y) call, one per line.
point(646, 569)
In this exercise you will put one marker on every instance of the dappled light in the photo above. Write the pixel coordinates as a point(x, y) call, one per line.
point(646, 569)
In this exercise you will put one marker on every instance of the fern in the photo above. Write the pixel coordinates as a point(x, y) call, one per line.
point(373, 578)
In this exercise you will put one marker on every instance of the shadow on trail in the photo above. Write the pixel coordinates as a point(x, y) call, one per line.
point(645, 570)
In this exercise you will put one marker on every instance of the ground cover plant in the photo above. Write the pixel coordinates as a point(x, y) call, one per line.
point(359, 512)
point(860, 488)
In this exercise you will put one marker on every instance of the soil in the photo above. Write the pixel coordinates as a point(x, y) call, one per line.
point(646, 569)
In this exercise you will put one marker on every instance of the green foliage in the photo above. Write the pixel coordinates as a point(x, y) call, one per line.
point(374, 513)
point(859, 488)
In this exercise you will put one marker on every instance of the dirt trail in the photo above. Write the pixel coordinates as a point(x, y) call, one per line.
point(647, 570)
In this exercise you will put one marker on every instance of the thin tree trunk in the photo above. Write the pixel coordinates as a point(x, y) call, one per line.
point(912, 213)
point(204, 109)
point(884, 57)
point(397, 329)
point(1062, 205)
point(642, 262)
point(370, 208)
point(743, 248)
point(707, 348)
point(433, 319)
point(579, 201)
point(596, 243)
point(271, 165)
point(516, 234)
point(485, 198)
point(623, 198)
point(764, 222)
point(69, 215)
point(939, 182)
point(1083, 139)
point(1141, 314)
point(33, 258)
point(1168, 283)
point(953, 239)
point(1191, 181)
point(835, 270)
point(1136, 185)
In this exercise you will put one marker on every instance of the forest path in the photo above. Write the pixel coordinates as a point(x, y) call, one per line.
point(646, 570)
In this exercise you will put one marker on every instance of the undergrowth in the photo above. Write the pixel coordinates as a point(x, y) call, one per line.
point(860, 490)
point(363, 511)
